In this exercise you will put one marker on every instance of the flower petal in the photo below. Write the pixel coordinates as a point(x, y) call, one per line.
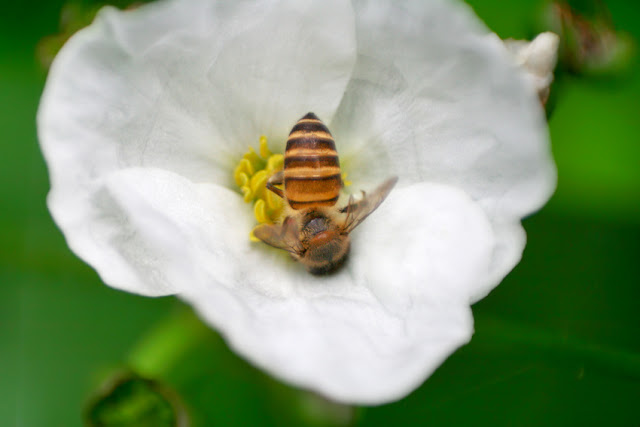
point(362, 335)
point(169, 86)
point(435, 236)
point(298, 58)
point(189, 94)
point(436, 100)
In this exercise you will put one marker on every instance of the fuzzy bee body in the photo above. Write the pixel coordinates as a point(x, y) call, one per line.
point(311, 165)
point(314, 231)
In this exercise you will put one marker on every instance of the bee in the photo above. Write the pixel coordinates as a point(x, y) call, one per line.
point(314, 231)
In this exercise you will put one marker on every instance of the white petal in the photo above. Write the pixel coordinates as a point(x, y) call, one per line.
point(170, 230)
point(184, 87)
point(375, 330)
point(132, 230)
point(427, 240)
point(433, 99)
point(298, 58)
point(369, 334)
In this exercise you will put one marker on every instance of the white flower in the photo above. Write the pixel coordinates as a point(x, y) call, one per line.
point(145, 114)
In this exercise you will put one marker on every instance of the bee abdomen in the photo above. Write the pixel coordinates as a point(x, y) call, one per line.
point(311, 165)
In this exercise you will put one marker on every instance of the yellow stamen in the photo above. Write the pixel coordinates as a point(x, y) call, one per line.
point(242, 179)
point(251, 175)
point(246, 167)
point(273, 201)
point(252, 236)
point(256, 162)
point(275, 163)
point(344, 179)
point(264, 148)
point(247, 194)
point(260, 211)
point(259, 182)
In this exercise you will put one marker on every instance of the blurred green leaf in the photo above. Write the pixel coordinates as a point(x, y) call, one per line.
point(509, 19)
point(595, 132)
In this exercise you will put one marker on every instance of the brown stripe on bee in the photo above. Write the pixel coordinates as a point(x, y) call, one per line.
point(314, 141)
point(311, 161)
point(294, 204)
point(310, 125)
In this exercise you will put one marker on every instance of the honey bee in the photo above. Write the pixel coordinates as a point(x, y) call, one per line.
point(314, 231)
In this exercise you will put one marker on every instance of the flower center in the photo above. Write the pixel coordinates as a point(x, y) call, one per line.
point(251, 175)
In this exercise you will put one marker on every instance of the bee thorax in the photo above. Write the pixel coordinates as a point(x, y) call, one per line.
point(316, 225)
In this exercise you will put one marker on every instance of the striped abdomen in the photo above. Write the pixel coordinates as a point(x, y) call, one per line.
point(311, 166)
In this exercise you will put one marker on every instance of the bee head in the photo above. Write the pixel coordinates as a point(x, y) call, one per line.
point(326, 251)
point(325, 245)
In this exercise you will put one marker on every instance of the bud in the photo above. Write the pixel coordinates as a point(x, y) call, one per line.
point(590, 43)
point(538, 58)
point(130, 400)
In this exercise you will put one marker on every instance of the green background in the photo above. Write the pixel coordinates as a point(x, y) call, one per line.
point(557, 343)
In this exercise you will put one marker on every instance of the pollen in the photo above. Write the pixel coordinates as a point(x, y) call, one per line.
point(251, 176)
point(345, 181)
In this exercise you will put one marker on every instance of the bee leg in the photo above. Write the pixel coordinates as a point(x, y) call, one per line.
point(348, 209)
point(276, 179)
point(352, 205)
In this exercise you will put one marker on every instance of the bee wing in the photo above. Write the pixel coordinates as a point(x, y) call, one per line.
point(358, 211)
point(281, 236)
